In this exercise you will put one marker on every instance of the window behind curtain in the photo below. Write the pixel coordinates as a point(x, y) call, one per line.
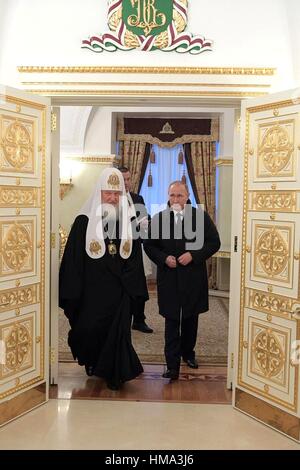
point(165, 170)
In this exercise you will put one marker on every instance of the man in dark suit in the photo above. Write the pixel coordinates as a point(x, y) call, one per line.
point(182, 238)
point(141, 217)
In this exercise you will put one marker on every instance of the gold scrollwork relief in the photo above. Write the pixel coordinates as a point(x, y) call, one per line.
point(53, 122)
point(17, 346)
point(94, 159)
point(270, 201)
point(272, 252)
point(24, 197)
point(272, 257)
point(63, 238)
point(275, 150)
point(17, 247)
point(16, 136)
point(17, 338)
point(271, 304)
point(268, 353)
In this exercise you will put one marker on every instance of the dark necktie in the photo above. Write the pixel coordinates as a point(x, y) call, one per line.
point(178, 225)
point(178, 218)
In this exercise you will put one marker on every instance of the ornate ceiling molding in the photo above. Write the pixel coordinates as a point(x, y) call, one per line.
point(261, 71)
point(148, 83)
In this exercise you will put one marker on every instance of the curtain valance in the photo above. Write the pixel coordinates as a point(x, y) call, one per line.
point(168, 132)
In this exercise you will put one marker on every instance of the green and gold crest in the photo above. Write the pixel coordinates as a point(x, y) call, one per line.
point(148, 25)
point(144, 17)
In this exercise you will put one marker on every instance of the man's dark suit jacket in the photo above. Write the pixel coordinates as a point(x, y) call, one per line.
point(141, 212)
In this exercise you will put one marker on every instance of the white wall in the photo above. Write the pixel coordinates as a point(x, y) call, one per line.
point(84, 179)
point(99, 134)
point(49, 32)
point(293, 9)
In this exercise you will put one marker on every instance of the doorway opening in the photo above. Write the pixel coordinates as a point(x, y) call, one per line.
point(83, 154)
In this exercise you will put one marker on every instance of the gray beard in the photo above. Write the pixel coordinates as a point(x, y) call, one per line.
point(110, 214)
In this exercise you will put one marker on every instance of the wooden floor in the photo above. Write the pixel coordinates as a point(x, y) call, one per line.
point(206, 385)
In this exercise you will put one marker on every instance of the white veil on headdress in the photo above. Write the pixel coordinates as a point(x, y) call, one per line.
point(110, 179)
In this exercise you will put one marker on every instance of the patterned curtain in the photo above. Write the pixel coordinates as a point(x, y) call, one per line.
point(203, 168)
point(133, 154)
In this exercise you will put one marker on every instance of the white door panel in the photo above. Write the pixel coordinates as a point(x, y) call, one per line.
point(267, 383)
point(24, 253)
point(272, 253)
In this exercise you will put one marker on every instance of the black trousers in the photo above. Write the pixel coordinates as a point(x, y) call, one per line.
point(180, 340)
point(137, 310)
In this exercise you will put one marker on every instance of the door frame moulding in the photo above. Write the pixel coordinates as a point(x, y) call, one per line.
point(168, 89)
point(130, 85)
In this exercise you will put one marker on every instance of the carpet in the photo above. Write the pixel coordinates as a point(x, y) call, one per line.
point(212, 341)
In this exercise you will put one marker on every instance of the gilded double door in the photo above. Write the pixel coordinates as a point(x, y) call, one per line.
point(268, 349)
point(24, 252)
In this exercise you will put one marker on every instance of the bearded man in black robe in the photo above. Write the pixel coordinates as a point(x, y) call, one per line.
point(98, 279)
point(181, 239)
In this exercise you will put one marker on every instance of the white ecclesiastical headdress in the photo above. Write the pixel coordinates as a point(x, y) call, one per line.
point(110, 179)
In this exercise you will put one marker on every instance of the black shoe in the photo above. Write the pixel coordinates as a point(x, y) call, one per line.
point(171, 374)
point(89, 370)
point(142, 326)
point(113, 386)
point(192, 363)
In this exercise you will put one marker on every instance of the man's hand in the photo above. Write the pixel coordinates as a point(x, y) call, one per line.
point(171, 262)
point(185, 259)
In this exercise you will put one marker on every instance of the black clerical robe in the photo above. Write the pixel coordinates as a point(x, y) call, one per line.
point(95, 296)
